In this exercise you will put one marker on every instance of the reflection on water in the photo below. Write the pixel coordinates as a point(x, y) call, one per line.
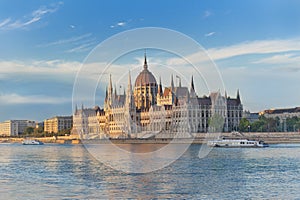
point(69, 172)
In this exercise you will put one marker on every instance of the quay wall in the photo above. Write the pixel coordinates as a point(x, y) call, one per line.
point(268, 137)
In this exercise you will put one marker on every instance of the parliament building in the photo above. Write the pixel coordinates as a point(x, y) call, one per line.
point(147, 109)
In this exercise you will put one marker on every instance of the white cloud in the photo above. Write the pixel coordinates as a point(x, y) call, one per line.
point(82, 47)
point(67, 40)
point(255, 47)
point(38, 67)
point(210, 34)
point(244, 48)
point(14, 98)
point(288, 58)
point(4, 22)
point(75, 44)
point(34, 17)
point(119, 24)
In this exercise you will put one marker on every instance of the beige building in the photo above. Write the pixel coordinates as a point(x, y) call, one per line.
point(15, 127)
point(147, 108)
point(58, 123)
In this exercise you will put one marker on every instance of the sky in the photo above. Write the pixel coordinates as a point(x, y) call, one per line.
point(254, 44)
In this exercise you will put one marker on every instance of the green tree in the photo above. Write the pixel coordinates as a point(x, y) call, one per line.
point(291, 123)
point(28, 130)
point(244, 124)
point(216, 123)
point(258, 126)
point(64, 132)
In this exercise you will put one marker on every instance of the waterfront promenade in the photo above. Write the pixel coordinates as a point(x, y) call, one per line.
point(268, 137)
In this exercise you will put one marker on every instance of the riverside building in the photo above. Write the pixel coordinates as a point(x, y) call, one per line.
point(15, 127)
point(58, 123)
point(147, 109)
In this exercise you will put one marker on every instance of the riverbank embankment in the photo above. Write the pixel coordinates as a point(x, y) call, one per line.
point(268, 137)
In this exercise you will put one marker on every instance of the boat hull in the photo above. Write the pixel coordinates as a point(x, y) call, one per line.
point(227, 143)
point(32, 142)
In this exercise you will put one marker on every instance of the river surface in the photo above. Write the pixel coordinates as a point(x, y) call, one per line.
point(54, 171)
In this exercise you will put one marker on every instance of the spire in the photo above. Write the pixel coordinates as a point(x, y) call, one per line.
point(160, 91)
point(129, 96)
point(129, 86)
point(76, 110)
point(172, 83)
point(106, 95)
point(192, 90)
point(225, 94)
point(110, 88)
point(192, 85)
point(145, 61)
point(238, 96)
point(110, 91)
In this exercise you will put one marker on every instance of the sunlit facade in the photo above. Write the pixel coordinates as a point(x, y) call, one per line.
point(58, 123)
point(149, 110)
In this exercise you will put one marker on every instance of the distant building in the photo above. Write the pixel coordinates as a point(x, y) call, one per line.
point(147, 108)
point(251, 117)
point(39, 125)
point(58, 123)
point(281, 113)
point(15, 127)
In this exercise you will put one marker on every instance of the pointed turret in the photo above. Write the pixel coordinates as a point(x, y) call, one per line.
point(129, 97)
point(172, 83)
point(110, 92)
point(238, 97)
point(110, 87)
point(145, 61)
point(192, 84)
point(76, 110)
point(192, 90)
point(160, 90)
point(106, 95)
point(129, 86)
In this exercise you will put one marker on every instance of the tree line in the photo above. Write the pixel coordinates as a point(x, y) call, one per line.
point(39, 132)
point(263, 124)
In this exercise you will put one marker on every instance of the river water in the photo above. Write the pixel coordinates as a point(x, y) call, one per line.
point(54, 171)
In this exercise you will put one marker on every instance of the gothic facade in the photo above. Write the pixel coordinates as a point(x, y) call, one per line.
point(149, 110)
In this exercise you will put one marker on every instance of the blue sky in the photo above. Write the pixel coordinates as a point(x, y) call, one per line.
point(255, 44)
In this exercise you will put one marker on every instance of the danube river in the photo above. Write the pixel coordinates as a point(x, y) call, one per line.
point(54, 171)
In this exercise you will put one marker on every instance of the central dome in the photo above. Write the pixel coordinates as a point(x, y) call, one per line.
point(145, 77)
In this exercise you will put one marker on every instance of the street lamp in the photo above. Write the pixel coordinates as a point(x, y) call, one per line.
point(249, 128)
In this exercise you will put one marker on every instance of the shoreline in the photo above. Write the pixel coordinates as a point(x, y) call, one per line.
point(270, 138)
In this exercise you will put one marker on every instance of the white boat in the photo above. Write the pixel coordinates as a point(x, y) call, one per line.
point(236, 143)
point(31, 142)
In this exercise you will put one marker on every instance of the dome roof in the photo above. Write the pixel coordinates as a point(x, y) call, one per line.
point(145, 77)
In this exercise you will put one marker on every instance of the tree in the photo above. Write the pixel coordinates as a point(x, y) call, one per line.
point(291, 123)
point(244, 124)
point(216, 123)
point(29, 130)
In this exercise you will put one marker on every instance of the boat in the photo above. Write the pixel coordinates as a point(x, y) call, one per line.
point(31, 142)
point(236, 143)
